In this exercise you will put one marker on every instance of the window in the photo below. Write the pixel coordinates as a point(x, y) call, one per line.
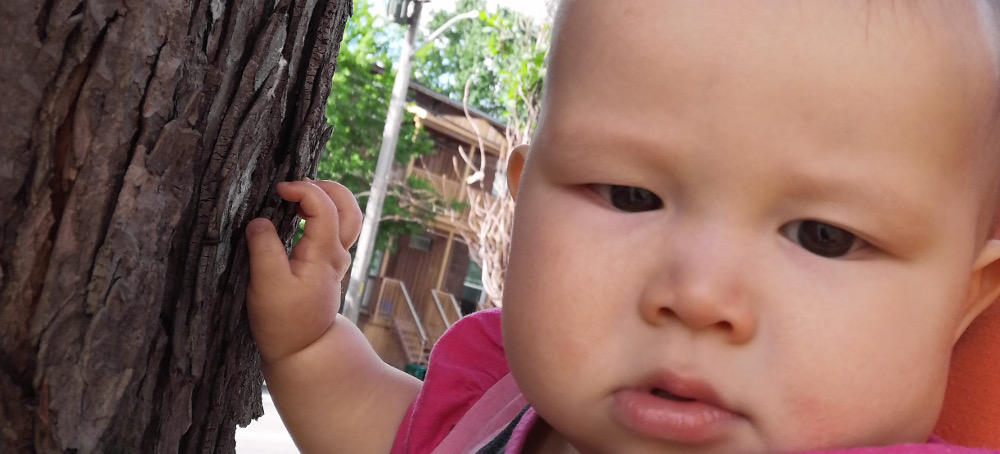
point(420, 242)
point(472, 289)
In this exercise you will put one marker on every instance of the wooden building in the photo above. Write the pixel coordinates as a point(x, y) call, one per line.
point(428, 280)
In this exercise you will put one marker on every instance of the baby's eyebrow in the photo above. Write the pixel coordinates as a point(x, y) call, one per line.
point(612, 144)
point(903, 211)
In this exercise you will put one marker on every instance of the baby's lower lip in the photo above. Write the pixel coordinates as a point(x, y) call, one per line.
point(673, 419)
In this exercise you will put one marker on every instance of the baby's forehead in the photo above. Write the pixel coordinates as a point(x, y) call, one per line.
point(959, 17)
point(963, 35)
point(962, 38)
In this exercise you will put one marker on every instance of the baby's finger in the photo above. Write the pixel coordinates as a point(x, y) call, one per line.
point(268, 258)
point(320, 241)
point(347, 206)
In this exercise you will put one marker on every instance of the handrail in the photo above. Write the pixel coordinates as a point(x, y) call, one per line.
point(440, 308)
point(455, 306)
point(380, 311)
point(450, 309)
point(402, 318)
point(413, 311)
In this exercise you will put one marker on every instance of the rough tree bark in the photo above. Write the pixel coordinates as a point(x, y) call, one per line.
point(137, 139)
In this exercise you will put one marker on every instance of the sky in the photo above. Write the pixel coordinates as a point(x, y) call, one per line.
point(534, 8)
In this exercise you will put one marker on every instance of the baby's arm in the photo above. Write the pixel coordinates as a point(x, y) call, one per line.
point(332, 391)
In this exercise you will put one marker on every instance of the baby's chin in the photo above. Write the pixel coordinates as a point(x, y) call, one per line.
point(749, 442)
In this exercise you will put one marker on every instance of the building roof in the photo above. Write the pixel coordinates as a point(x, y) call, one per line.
point(447, 116)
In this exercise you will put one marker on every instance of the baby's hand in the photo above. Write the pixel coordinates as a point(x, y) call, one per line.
point(293, 301)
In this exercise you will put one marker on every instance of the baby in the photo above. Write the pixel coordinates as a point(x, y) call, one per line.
point(742, 227)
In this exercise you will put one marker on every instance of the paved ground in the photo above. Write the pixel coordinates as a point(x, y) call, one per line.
point(266, 435)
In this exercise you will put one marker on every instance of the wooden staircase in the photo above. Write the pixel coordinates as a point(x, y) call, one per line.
point(395, 309)
point(413, 330)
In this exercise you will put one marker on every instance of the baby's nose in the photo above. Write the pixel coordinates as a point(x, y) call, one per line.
point(703, 285)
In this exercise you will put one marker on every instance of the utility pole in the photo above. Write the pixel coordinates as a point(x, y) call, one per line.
point(386, 154)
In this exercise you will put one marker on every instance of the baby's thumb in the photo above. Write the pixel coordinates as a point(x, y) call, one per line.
point(268, 257)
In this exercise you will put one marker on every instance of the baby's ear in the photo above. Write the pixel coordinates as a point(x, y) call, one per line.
point(984, 284)
point(515, 165)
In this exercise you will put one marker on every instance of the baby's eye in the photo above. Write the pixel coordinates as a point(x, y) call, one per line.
point(822, 239)
point(629, 198)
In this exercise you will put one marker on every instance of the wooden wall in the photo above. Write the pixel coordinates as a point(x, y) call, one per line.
point(446, 153)
point(442, 161)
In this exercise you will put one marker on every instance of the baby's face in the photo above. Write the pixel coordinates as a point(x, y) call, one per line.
point(749, 226)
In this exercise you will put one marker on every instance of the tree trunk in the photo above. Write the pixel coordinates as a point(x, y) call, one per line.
point(137, 139)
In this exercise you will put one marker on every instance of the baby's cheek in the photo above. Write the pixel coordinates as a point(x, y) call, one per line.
point(814, 407)
point(812, 421)
point(846, 419)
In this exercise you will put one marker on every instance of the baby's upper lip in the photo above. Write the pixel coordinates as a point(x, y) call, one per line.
point(686, 387)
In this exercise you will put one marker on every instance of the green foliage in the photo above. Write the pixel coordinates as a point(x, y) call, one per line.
point(503, 53)
point(359, 100)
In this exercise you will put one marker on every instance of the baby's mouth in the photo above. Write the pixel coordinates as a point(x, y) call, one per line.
point(673, 408)
point(670, 396)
